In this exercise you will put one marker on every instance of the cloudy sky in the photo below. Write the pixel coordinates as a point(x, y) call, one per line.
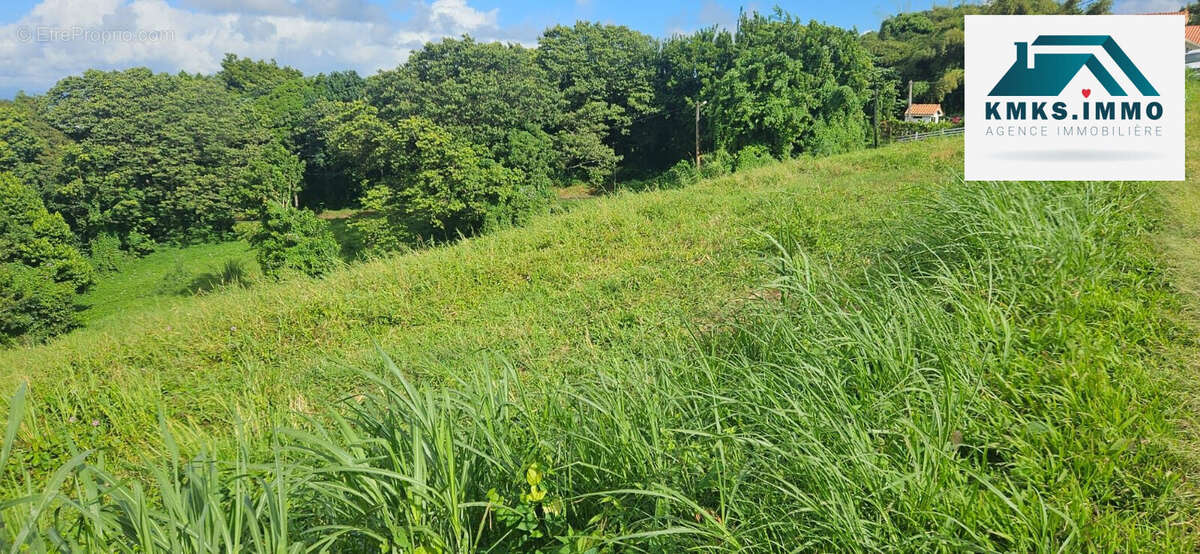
point(43, 41)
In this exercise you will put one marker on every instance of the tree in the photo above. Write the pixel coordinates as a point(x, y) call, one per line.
point(290, 239)
point(254, 77)
point(606, 74)
point(29, 147)
point(153, 154)
point(41, 270)
point(792, 88)
point(290, 107)
point(273, 176)
point(688, 68)
point(340, 86)
point(492, 94)
point(927, 47)
point(1049, 7)
point(422, 182)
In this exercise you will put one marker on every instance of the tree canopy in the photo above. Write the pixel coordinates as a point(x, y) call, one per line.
point(41, 270)
point(153, 154)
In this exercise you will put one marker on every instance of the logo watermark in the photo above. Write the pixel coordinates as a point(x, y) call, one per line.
point(1074, 98)
point(78, 33)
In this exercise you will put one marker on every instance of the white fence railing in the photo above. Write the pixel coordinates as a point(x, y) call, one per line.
point(941, 133)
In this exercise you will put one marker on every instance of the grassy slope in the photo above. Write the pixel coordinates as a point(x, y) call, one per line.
point(161, 280)
point(1180, 244)
point(607, 280)
point(1182, 238)
point(997, 383)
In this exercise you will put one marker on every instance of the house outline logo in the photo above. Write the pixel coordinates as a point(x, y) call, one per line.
point(1051, 72)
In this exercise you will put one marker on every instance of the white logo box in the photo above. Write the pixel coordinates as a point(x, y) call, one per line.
point(1125, 144)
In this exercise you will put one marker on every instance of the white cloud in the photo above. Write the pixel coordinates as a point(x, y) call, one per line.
point(452, 13)
point(64, 37)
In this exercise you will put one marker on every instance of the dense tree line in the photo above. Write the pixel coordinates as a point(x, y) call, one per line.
point(461, 138)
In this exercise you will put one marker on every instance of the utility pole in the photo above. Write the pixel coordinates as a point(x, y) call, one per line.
point(698, 104)
point(875, 113)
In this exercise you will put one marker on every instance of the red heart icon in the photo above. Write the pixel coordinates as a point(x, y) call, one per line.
point(1087, 92)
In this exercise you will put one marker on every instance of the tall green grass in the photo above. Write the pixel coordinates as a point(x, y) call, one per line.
point(992, 380)
point(609, 280)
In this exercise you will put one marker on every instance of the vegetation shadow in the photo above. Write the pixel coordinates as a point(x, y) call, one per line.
point(232, 274)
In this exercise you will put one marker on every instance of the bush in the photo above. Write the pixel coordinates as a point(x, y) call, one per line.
point(42, 268)
point(33, 307)
point(682, 174)
point(139, 243)
point(716, 164)
point(755, 155)
point(106, 253)
point(425, 183)
point(294, 240)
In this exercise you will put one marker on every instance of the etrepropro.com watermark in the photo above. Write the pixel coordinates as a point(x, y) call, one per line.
point(77, 33)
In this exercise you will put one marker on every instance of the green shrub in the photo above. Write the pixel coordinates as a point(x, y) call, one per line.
point(43, 268)
point(33, 307)
point(682, 174)
point(755, 155)
point(294, 240)
point(106, 253)
point(425, 183)
point(139, 243)
point(716, 164)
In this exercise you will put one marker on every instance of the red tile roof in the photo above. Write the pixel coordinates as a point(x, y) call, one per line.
point(923, 109)
point(1182, 12)
point(1192, 34)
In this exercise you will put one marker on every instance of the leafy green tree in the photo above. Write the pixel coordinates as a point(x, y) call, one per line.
point(153, 153)
point(327, 180)
point(41, 270)
point(284, 109)
point(340, 86)
point(492, 94)
point(688, 68)
point(792, 88)
point(290, 239)
point(927, 47)
point(19, 146)
point(254, 77)
point(584, 152)
point(606, 74)
point(1049, 7)
point(29, 147)
point(273, 175)
point(422, 182)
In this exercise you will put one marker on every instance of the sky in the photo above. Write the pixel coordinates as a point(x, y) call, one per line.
point(44, 41)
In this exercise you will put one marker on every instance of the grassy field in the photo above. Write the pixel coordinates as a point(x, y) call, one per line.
point(168, 277)
point(607, 280)
point(851, 354)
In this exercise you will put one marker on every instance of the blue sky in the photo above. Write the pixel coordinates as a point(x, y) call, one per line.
point(42, 41)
